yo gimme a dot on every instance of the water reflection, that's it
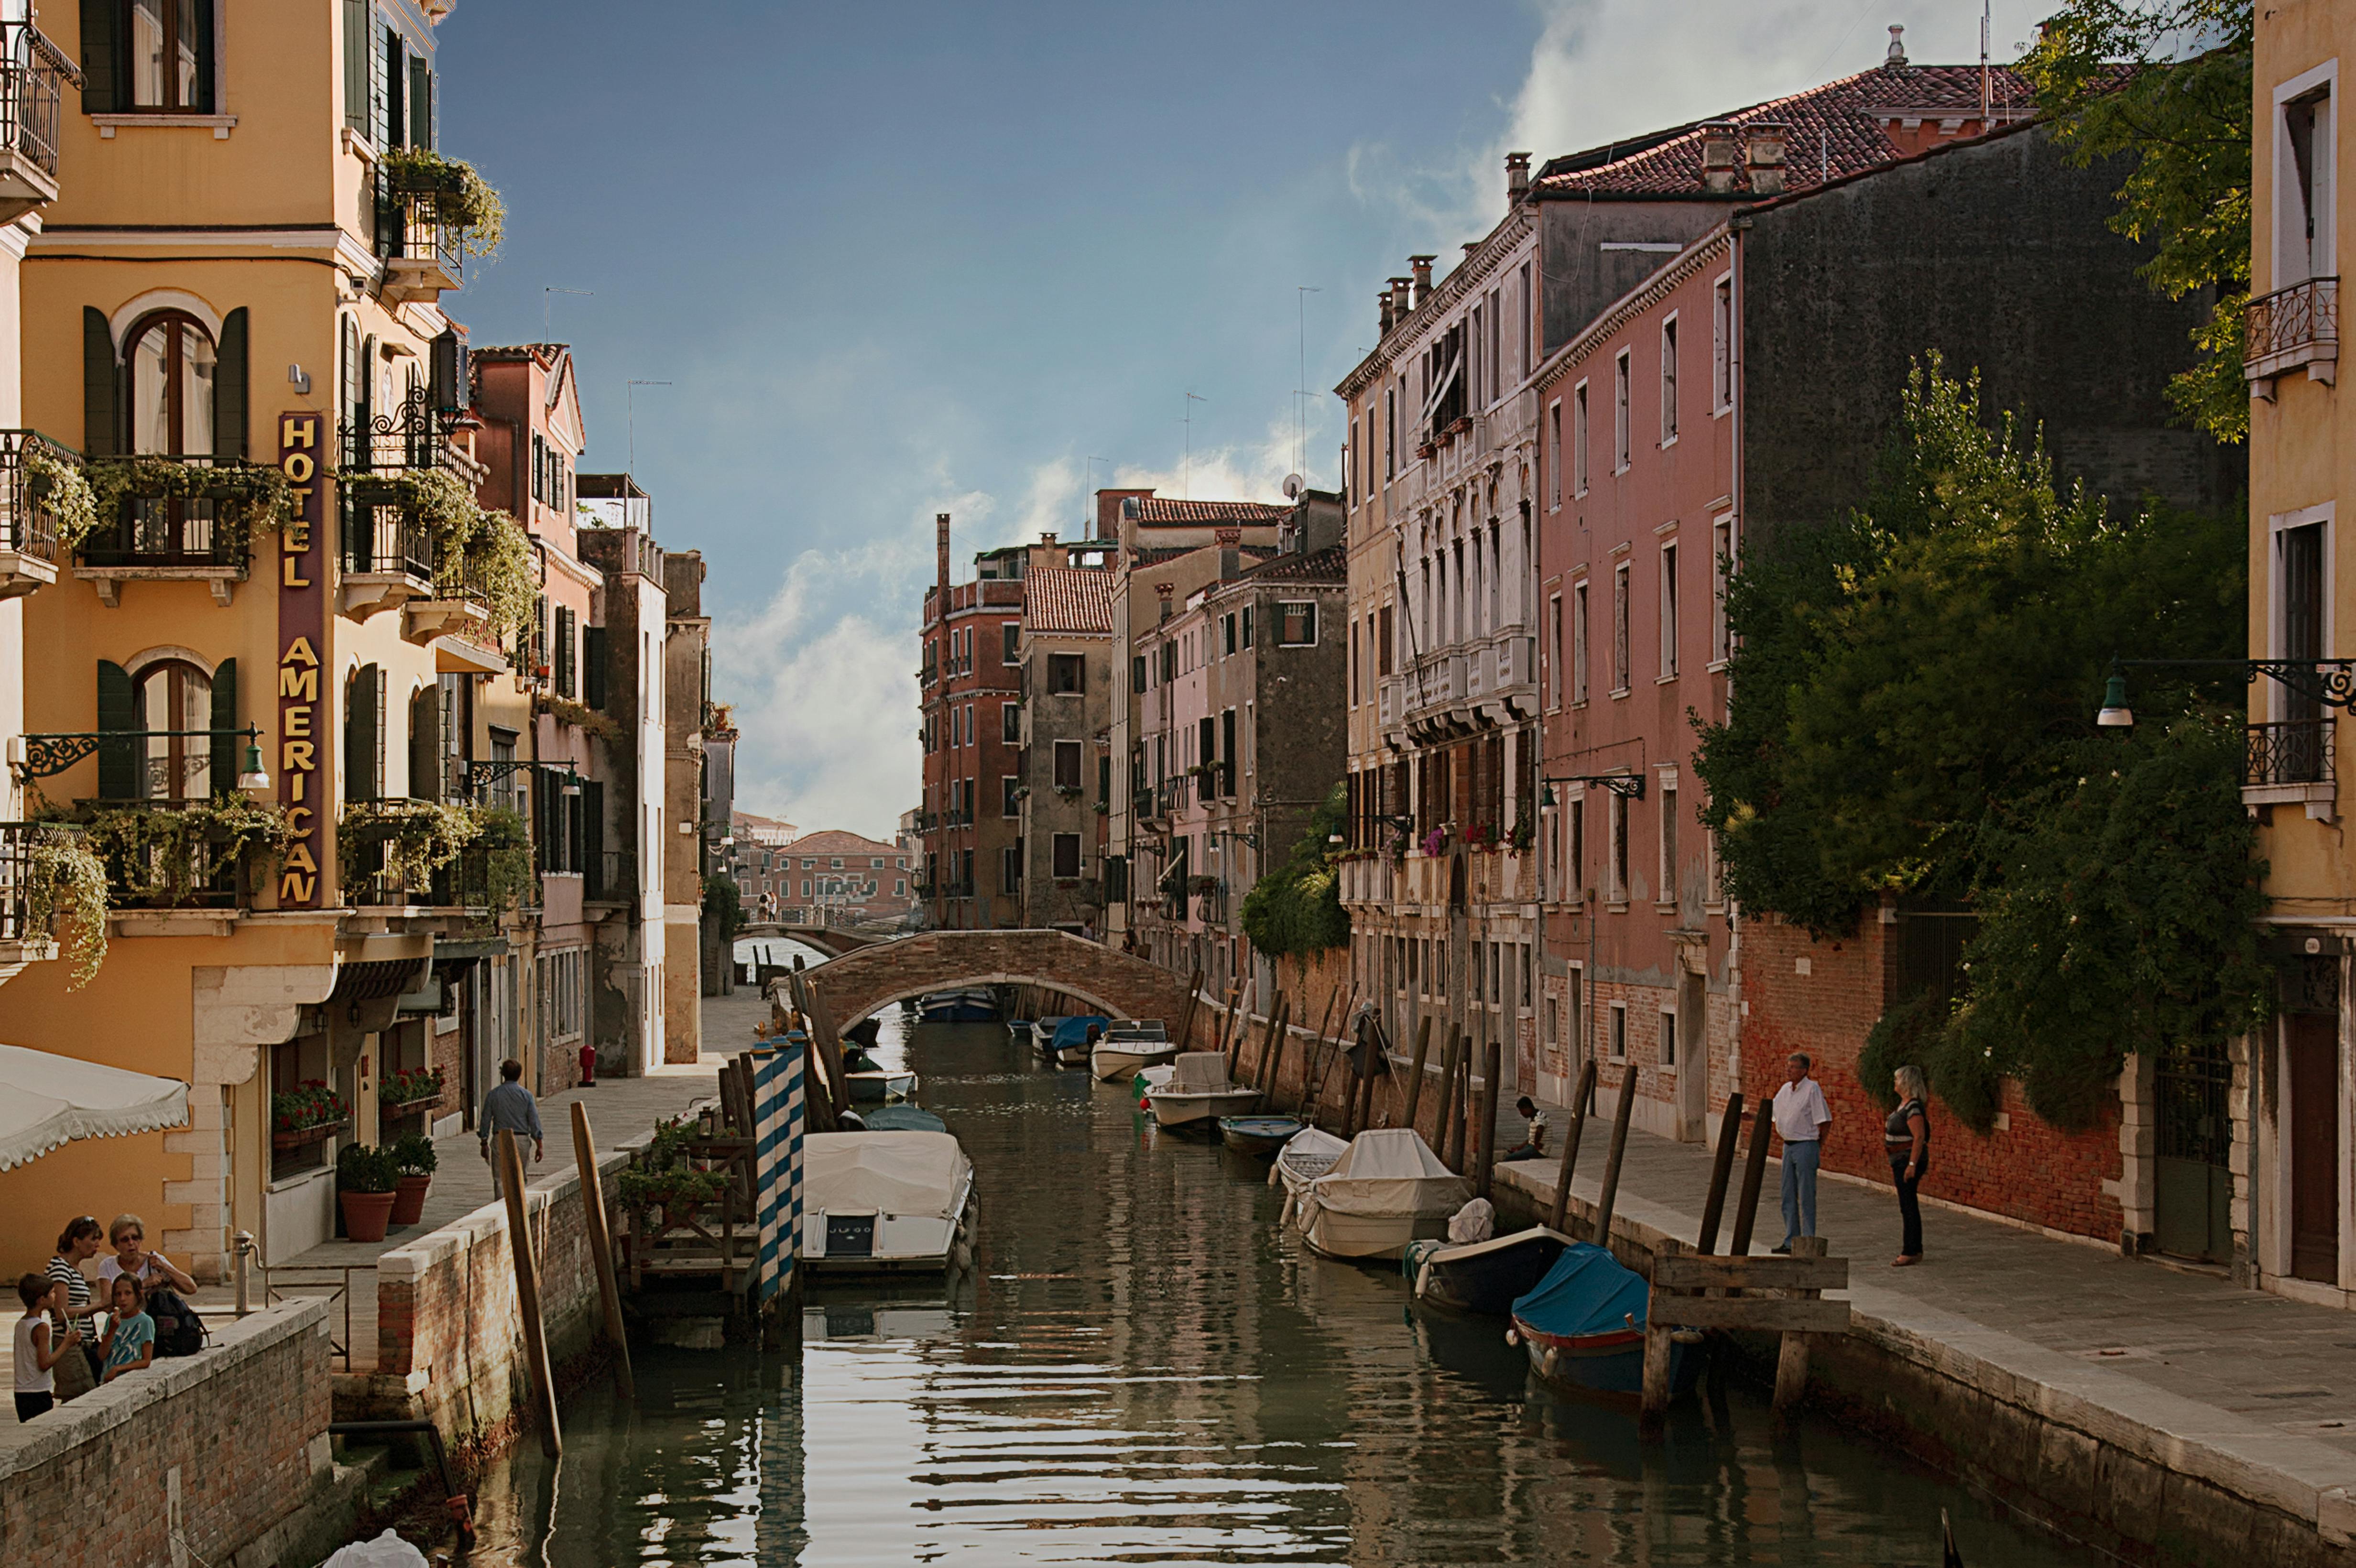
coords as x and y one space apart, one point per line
1139 1370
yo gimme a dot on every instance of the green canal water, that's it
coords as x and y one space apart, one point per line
1141 1368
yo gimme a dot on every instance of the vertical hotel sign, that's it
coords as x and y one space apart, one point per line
302 636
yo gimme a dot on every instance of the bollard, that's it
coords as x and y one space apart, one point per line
241 1248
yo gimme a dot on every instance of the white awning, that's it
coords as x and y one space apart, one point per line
48 1100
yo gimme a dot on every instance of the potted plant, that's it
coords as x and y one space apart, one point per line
408 1088
414 1159
367 1186
306 1113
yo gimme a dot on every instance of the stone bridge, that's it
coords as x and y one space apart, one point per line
832 940
858 984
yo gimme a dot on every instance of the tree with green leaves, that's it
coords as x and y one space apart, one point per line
2167 82
1912 703
1297 907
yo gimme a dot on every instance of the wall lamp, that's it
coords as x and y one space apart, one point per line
2331 682
1627 786
45 757
481 774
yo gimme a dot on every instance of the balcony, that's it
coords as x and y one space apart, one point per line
424 254
2290 763
2292 327
33 73
175 518
413 437
611 877
23 938
35 473
388 555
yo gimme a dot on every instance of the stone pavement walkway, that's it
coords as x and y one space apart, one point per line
2262 1364
620 1109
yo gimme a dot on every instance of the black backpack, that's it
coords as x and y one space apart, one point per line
179 1331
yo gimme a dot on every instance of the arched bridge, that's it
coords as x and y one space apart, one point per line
859 983
832 940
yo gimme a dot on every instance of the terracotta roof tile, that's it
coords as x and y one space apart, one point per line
837 841
1154 555
1067 599
1330 565
1835 130
1152 509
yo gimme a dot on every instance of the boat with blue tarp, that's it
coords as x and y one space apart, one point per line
1584 1327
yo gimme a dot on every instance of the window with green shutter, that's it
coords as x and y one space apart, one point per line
228 751
118 758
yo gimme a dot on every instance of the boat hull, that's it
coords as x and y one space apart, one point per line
1486 1279
1072 1056
1177 1110
1604 1363
1261 1136
875 1088
1112 1064
1364 1238
957 1008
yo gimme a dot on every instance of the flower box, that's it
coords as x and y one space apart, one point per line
303 1138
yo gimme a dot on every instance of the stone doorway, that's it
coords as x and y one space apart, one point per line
2311 1062
2193 1185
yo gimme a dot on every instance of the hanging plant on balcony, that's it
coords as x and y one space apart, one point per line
419 836
63 877
1435 841
463 199
162 854
504 840
246 496
567 711
60 486
496 564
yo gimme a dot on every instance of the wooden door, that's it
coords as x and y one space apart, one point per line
2311 1049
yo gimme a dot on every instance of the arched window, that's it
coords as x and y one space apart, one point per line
173 368
174 696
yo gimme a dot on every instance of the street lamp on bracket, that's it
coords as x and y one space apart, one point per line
2328 682
479 774
1627 786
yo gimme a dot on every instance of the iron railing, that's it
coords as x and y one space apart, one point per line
33 73
464 884
411 435
2295 752
17 842
411 228
610 875
195 870
29 522
380 536
2304 315
163 530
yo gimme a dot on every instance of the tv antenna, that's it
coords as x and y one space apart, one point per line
1088 517
1300 293
1187 473
632 403
547 296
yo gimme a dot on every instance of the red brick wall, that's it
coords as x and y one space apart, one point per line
2024 1169
244 1423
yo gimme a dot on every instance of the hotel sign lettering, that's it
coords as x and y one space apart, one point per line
302 637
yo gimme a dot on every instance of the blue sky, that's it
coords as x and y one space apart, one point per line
899 259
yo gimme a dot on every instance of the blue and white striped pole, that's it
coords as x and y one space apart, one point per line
777 1159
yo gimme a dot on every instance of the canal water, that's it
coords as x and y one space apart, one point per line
1141 1368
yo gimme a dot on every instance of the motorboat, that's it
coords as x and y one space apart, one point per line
871 1083
1261 1136
903 1119
1308 1154
1584 1327
973 1005
886 1201
1200 1090
1130 1045
1070 1046
1042 1034
1388 1189
1149 1079
1484 1274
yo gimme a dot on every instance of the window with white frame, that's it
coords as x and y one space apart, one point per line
1067 854
1669 381
1067 765
1721 562
563 993
1620 1029
1554 672
1553 456
1668 1037
1619 372
1667 891
1669 610
1579 641
1721 345
1617 807
1579 440
2305 178
1296 622
1620 660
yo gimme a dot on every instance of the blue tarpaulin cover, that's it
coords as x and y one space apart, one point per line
1075 1031
1586 1292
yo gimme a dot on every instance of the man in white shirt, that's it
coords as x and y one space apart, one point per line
1801 1119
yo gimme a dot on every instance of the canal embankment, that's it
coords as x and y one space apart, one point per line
2159 1413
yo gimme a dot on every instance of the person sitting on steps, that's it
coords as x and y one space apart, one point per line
1533 1144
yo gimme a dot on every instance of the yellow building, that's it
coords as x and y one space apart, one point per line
233 312
2294 1207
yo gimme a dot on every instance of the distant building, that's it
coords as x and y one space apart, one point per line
829 875
1063 782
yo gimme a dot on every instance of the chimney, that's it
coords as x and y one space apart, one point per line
1383 300
1402 298
1517 176
1163 590
1720 159
941 552
1765 156
1896 56
1421 266
1230 553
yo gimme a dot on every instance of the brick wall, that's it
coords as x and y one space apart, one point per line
2024 1168
228 1444
450 1340
857 984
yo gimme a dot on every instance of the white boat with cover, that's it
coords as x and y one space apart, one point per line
1306 1156
1200 1090
886 1203
1388 1189
1131 1046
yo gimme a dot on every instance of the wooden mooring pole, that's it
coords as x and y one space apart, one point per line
600 1247
1415 1069
1791 1356
527 1272
1446 1091
1492 1064
1754 1173
1582 1100
1186 1023
1729 1133
1610 1193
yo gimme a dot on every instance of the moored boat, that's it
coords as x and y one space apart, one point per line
1199 1091
1150 1078
903 1119
1484 1277
886 1201
1071 1045
880 1084
1128 1046
1259 1135
1584 1327
973 1005
1388 1189
1310 1154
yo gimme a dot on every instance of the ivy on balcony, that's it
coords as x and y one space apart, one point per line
463 199
579 715
64 879
60 486
480 552
246 496
416 839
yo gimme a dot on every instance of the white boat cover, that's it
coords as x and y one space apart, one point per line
1390 1170
1200 1072
48 1100
1306 1156
1476 1221
897 1173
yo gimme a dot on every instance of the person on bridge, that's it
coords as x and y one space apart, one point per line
510 1108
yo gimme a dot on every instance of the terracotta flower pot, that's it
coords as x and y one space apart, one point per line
409 1199
366 1214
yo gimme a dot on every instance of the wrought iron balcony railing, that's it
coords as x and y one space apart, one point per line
379 536
17 842
29 522
412 228
2298 752
167 529
2290 327
33 74
412 435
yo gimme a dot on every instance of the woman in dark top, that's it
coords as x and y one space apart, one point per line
1906 1138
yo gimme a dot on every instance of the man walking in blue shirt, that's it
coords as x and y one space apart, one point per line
510 1108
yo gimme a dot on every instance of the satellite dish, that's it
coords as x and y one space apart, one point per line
1293 485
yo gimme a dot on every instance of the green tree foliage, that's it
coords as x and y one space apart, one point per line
1912 697
1297 908
2167 84
723 905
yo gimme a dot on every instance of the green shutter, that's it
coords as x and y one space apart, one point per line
420 104
425 743
118 760
230 377
101 55
206 63
356 32
593 667
101 407
592 839
228 751
360 720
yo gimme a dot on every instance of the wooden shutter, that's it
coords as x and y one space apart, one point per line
118 760
357 29
593 667
206 63
101 386
101 57
592 839
228 751
362 717
574 836
420 104
1227 752
230 378
425 743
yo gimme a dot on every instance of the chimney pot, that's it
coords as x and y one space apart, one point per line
1764 152
1383 300
1517 175
1896 56
1421 267
1719 157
